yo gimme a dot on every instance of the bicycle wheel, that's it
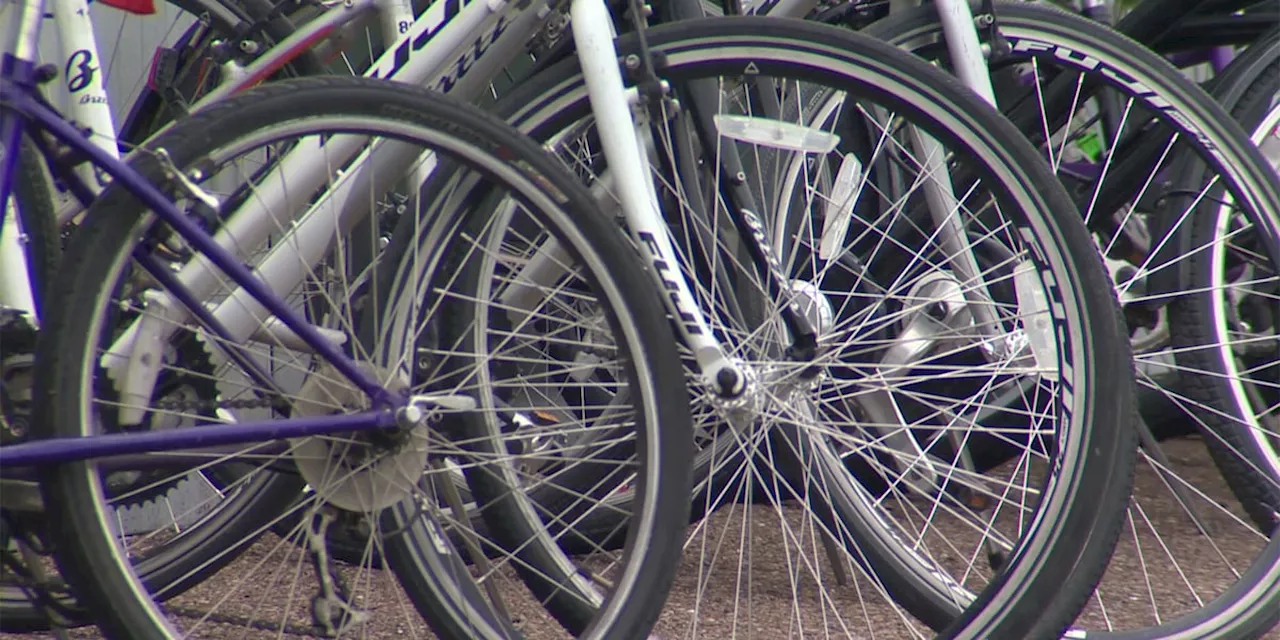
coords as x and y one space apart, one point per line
238 146
787 449
1151 191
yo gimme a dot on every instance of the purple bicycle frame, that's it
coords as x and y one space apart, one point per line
20 109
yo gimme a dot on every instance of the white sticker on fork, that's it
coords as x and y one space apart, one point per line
1033 310
839 207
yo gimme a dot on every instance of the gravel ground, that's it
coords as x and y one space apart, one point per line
775 613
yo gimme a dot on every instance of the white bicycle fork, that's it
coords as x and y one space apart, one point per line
620 138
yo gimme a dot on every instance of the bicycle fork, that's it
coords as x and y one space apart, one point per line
621 133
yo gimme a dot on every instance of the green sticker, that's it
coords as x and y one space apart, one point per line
1090 146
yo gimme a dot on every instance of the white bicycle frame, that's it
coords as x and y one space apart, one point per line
87 105
441 49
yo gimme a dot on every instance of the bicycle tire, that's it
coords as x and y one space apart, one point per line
35 215
35 210
43 244
562 593
1200 24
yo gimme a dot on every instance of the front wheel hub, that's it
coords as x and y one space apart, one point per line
815 306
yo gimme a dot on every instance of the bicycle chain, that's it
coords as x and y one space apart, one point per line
209 406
